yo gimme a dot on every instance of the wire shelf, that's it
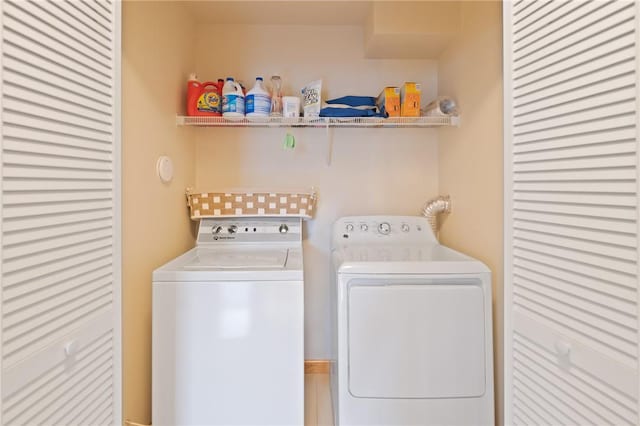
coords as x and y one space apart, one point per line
322 122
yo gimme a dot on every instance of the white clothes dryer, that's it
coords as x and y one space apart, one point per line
228 321
412 327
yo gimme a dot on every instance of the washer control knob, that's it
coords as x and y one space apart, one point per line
349 227
405 227
216 229
283 229
364 227
384 228
233 229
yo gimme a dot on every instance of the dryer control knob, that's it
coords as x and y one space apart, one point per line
405 227
384 228
216 229
233 229
364 227
283 229
349 227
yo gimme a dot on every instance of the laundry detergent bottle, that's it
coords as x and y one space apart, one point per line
204 98
194 89
232 100
258 102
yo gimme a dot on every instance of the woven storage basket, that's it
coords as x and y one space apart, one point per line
251 204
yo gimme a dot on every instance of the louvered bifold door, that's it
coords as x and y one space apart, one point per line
60 334
571 212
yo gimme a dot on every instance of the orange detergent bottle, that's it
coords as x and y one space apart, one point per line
204 98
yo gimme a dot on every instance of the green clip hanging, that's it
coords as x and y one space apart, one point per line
289 141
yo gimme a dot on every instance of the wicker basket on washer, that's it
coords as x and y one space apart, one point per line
251 204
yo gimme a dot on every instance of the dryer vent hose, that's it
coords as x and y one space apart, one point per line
433 208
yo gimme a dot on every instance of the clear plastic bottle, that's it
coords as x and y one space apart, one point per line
276 96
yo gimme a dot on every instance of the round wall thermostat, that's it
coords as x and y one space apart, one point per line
164 166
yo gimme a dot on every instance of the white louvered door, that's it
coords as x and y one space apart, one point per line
60 227
571 212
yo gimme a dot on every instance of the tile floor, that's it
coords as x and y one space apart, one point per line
317 400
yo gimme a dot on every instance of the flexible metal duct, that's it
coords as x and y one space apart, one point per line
433 208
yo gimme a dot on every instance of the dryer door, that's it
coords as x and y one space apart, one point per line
420 339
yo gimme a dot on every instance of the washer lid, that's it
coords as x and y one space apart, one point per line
216 259
234 262
404 259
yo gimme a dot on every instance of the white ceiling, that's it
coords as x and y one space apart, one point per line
300 12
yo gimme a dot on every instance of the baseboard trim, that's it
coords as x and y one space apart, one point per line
316 366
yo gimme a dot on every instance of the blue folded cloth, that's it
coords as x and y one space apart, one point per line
354 101
348 112
351 106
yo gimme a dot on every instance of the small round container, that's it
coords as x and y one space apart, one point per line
290 106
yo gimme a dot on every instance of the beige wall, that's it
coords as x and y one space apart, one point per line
374 171
411 29
157 42
470 157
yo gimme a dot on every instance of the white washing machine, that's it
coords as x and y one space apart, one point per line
412 326
228 323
